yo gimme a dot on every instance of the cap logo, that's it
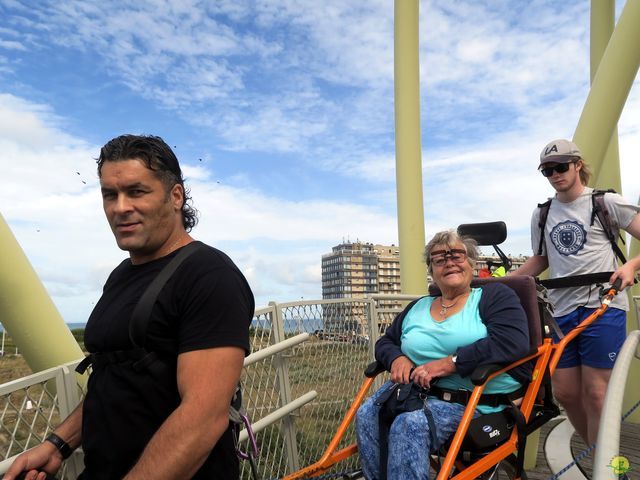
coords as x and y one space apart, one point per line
553 148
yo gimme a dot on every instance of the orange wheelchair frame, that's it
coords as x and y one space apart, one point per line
546 359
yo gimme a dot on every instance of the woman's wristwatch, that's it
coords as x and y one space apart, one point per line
62 446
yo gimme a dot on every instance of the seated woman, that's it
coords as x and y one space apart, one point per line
437 342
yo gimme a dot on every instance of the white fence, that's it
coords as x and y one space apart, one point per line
307 364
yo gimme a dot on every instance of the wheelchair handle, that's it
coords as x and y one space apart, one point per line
616 285
373 369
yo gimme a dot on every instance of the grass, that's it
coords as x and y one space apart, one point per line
333 369
13 367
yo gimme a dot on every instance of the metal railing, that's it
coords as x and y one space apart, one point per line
308 360
31 407
609 430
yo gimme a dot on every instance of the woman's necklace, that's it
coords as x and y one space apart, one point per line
444 308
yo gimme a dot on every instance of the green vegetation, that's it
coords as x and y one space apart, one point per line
334 369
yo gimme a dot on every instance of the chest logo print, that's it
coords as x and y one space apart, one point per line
568 237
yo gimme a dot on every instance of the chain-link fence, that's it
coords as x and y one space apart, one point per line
322 373
30 408
331 363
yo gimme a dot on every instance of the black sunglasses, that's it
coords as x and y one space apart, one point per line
560 168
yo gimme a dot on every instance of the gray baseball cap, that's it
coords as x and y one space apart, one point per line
559 151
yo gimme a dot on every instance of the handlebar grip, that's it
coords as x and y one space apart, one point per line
617 284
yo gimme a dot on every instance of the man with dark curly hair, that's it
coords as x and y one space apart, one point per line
156 406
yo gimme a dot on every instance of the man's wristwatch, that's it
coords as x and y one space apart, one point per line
454 358
62 446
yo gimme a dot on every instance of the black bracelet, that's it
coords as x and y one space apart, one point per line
62 446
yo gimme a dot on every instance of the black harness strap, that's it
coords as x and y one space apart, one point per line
542 221
142 313
140 320
576 280
140 358
599 209
463 396
521 426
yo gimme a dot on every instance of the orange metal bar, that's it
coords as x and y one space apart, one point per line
548 355
447 466
543 354
510 446
329 458
559 347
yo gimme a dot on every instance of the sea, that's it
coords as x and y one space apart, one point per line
296 325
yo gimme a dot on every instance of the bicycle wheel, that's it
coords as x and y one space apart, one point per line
505 470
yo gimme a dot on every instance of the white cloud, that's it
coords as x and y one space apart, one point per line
300 83
59 224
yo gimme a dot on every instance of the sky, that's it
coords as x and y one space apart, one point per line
282 115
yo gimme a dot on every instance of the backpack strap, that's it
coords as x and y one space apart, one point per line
142 312
542 220
599 209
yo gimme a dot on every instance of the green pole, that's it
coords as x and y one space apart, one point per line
602 25
27 312
610 87
413 272
615 58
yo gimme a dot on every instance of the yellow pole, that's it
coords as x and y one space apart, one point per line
618 47
27 312
610 88
602 23
413 272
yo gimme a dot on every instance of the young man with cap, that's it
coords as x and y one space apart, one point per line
157 403
573 241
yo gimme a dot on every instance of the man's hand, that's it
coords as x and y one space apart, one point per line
626 273
401 369
45 457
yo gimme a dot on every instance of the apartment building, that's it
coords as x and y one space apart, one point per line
358 269
355 269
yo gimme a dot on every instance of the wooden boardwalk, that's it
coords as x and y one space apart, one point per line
629 448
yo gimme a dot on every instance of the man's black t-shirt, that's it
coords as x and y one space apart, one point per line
207 303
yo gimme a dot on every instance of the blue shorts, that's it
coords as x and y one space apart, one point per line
599 344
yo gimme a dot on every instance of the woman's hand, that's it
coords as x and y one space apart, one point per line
425 374
401 369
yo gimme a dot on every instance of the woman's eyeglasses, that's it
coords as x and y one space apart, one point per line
439 257
560 168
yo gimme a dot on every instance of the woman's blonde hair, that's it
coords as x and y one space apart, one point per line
450 238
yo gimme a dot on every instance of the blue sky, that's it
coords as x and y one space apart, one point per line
281 113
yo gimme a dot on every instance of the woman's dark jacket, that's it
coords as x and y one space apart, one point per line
507 337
